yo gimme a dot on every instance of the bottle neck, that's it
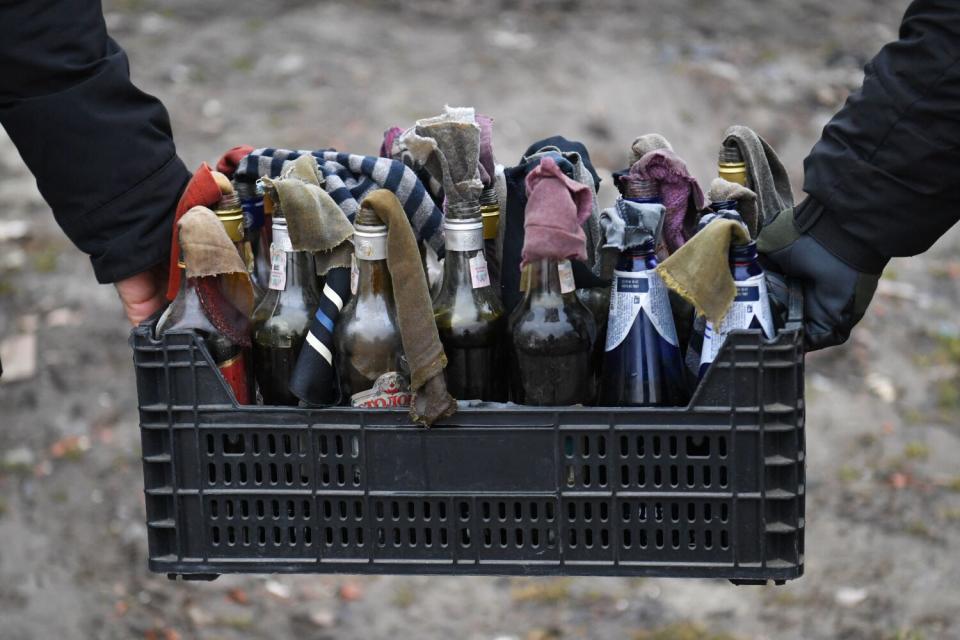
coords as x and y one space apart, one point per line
373 280
725 205
299 267
463 239
639 258
230 214
645 200
373 275
544 278
490 213
744 262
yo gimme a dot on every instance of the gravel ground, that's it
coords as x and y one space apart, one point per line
884 411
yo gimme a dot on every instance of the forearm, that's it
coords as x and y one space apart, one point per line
101 150
886 168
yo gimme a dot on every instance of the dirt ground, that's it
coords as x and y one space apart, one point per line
883 510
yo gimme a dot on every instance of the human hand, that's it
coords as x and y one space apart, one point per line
835 295
142 294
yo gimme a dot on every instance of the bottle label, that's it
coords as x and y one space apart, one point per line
463 239
479 274
370 247
354 275
389 391
278 268
234 371
750 310
565 271
632 292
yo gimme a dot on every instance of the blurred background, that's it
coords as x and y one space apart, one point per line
883 496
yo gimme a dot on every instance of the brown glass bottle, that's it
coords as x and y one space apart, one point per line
368 350
282 319
469 315
186 313
552 335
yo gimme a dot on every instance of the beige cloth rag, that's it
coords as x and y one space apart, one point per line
646 143
315 222
418 329
722 190
208 251
700 270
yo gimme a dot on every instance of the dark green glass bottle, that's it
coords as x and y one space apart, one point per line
552 334
368 349
282 319
469 315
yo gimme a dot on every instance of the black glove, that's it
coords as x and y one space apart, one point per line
835 295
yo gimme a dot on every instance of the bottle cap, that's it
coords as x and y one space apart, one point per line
370 242
463 235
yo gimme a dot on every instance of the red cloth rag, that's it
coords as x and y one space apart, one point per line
228 162
556 207
201 190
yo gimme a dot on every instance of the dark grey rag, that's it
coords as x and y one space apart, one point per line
448 147
768 177
628 224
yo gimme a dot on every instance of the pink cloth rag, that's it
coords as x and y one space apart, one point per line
681 195
556 207
389 137
487 165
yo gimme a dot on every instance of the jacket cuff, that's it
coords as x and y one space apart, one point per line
142 222
811 217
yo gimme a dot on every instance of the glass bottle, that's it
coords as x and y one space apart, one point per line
731 165
552 336
469 315
282 319
231 215
186 313
642 364
698 327
368 350
490 214
750 308
254 220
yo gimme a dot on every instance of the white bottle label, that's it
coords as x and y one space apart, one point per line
354 275
278 268
750 308
479 274
565 271
633 291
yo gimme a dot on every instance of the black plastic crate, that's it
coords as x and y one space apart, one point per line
715 489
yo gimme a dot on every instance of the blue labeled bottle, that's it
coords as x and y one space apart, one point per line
642 364
750 308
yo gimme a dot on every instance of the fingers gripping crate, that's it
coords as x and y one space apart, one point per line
715 489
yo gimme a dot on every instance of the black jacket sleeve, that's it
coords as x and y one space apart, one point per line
101 150
883 178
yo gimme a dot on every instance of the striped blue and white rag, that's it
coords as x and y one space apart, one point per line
349 177
313 378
